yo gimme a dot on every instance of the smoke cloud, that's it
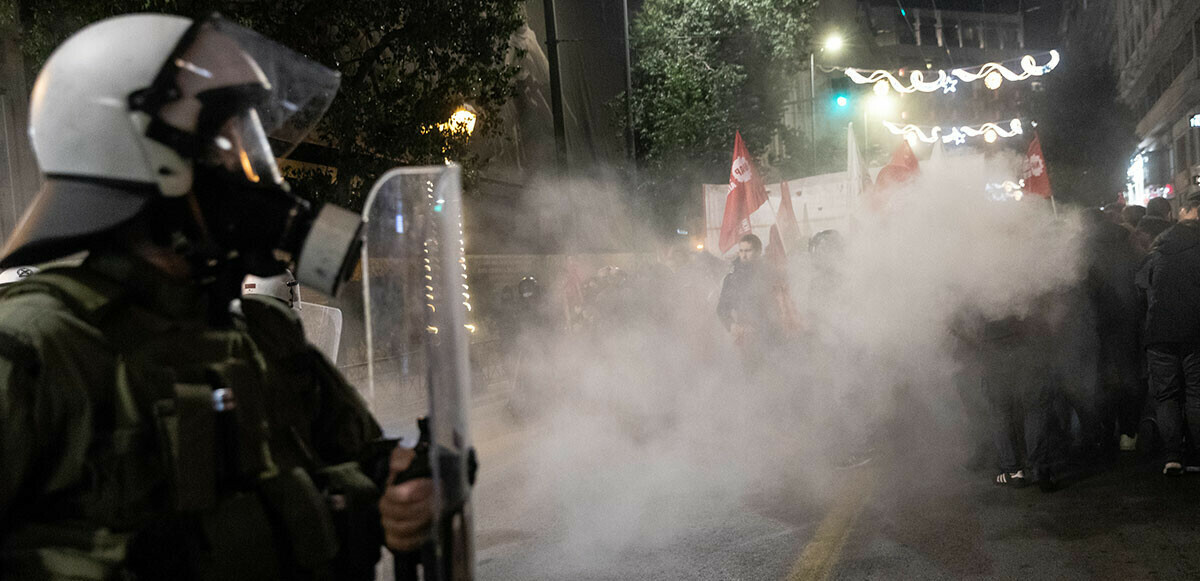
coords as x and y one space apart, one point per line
645 419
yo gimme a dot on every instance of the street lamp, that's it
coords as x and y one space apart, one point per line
461 121
880 105
833 43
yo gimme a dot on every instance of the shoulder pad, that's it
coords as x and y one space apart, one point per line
87 294
273 325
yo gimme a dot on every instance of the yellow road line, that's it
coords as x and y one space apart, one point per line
822 552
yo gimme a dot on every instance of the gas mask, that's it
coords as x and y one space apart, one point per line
228 103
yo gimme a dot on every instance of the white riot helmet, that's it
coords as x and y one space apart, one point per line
283 287
11 275
149 111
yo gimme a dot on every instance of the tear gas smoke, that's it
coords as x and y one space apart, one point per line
646 419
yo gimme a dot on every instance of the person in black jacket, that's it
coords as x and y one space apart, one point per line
1170 279
1112 259
1155 222
749 306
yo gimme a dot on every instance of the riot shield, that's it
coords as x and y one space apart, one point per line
415 308
322 327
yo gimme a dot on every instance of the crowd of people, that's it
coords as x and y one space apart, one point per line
1059 387
1109 364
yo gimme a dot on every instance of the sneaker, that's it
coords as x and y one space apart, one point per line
1128 444
1173 469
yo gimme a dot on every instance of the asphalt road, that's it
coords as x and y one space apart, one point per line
895 518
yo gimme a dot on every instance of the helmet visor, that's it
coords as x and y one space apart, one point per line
216 54
241 147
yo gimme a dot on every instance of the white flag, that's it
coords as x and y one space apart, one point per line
857 176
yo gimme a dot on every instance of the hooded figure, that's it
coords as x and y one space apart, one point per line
1170 281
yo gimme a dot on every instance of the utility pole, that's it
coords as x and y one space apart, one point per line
556 103
630 138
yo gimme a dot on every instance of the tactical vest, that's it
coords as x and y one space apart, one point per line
201 464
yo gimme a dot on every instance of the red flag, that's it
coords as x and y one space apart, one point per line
746 194
775 253
1033 171
785 216
902 169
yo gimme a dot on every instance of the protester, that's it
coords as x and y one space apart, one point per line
1170 279
1155 222
747 306
1131 215
1111 261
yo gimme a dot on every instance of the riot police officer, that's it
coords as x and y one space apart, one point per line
144 431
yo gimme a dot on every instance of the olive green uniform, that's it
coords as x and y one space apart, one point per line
140 440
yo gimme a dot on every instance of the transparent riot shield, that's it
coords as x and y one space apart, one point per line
322 327
415 304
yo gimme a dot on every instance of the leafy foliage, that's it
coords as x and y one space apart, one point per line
406 66
704 69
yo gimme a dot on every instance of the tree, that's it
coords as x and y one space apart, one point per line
406 66
703 70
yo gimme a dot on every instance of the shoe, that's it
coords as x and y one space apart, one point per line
1173 469
1128 444
1011 479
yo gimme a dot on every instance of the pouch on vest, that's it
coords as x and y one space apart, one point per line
354 502
243 420
188 421
303 515
239 542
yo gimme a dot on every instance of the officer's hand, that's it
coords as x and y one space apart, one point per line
406 510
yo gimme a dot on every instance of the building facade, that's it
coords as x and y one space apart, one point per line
1155 58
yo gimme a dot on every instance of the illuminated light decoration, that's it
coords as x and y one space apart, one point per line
911 139
1029 68
881 88
956 135
993 75
1195 120
699 247
993 80
914 131
916 79
1006 190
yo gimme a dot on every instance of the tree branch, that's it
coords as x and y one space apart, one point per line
366 62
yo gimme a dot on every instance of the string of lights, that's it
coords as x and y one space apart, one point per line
993 75
956 135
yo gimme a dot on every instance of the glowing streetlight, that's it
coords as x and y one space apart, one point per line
881 88
990 136
881 105
833 43
461 121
